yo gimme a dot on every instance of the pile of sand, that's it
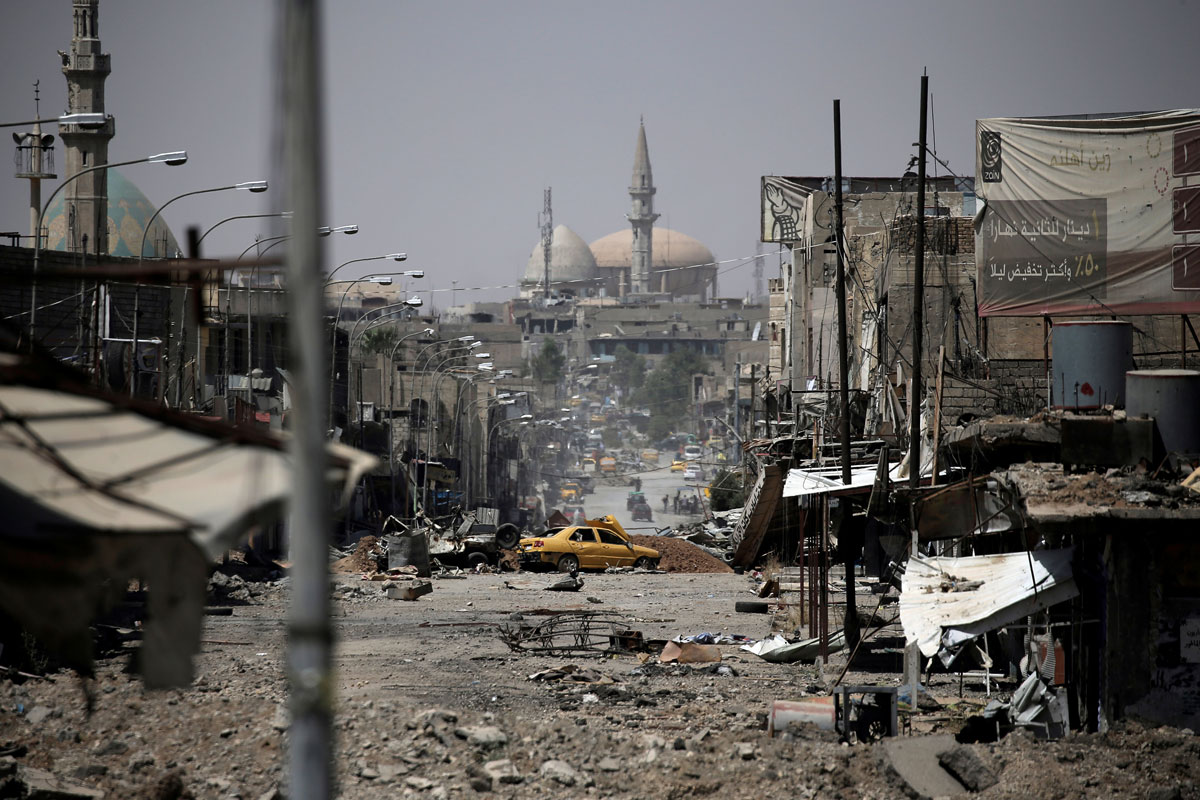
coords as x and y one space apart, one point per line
361 560
680 555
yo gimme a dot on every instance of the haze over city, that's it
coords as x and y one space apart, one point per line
445 121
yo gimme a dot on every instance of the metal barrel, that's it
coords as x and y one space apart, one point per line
1090 361
1172 398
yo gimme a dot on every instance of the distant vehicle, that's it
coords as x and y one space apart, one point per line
678 466
650 456
693 473
642 512
608 465
599 544
575 514
570 492
633 498
588 464
692 452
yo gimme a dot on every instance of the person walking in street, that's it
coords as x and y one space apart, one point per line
665 501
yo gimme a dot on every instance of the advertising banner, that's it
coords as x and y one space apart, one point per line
782 205
1089 216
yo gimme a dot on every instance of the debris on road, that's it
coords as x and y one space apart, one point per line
410 591
689 653
593 633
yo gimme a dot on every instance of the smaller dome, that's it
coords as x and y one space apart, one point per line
128 210
570 259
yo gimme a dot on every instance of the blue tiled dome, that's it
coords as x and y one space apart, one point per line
128 210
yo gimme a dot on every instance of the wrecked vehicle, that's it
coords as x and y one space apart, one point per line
475 540
599 544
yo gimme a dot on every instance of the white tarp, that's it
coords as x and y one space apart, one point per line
945 602
1089 216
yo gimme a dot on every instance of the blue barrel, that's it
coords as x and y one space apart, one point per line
1091 358
1172 398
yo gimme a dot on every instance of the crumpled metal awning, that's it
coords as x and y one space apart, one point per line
99 489
946 602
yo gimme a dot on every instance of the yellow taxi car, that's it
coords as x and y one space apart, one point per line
678 466
598 544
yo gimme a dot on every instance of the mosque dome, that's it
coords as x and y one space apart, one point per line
671 250
570 259
128 210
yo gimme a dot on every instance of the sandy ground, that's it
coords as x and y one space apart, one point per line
431 703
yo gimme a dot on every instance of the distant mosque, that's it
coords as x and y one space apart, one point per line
641 260
101 212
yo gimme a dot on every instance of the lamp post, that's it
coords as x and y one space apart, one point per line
338 319
83 120
282 214
435 382
487 445
415 430
392 403
412 302
255 187
174 158
324 230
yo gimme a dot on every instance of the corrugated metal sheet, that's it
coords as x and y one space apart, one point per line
945 602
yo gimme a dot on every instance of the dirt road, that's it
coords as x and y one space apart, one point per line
431 703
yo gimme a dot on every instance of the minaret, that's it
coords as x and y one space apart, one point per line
641 192
87 196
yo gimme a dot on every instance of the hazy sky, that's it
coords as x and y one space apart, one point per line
446 120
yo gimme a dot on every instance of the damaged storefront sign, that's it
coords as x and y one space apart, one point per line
947 602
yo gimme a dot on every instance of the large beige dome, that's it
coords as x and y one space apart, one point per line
681 265
570 259
671 249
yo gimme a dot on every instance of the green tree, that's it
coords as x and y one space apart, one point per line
378 340
727 490
667 391
547 365
628 370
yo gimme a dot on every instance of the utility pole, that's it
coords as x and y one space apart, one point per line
737 402
912 656
850 622
311 685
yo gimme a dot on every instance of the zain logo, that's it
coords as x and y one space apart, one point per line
990 161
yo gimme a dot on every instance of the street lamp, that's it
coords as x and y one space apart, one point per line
171 159
417 273
338 319
255 187
83 120
392 404
282 214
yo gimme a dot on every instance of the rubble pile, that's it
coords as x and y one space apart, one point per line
680 555
365 557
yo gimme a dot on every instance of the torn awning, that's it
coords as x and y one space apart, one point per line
946 602
99 489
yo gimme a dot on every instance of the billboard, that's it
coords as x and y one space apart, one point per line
782 206
1089 216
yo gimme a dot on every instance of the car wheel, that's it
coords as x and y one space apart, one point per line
476 559
646 563
507 536
568 563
